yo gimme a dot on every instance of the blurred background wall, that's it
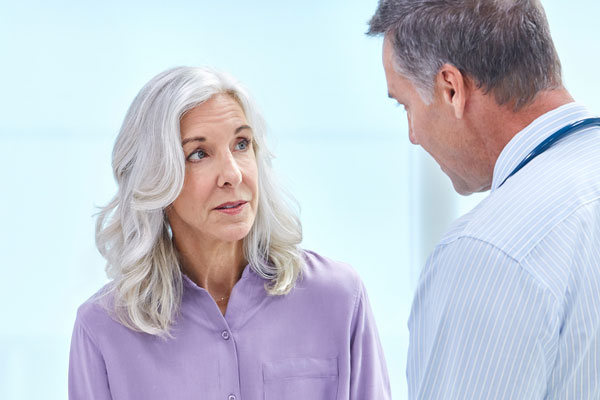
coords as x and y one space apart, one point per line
68 72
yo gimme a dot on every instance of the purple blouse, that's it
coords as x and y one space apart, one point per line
319 342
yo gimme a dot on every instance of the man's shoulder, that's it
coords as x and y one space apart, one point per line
518 217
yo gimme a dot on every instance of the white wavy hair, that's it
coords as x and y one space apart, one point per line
133 232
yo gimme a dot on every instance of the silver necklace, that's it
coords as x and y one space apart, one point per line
221 299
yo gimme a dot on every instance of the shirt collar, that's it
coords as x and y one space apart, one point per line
526 140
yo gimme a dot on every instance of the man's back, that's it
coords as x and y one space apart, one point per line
508 305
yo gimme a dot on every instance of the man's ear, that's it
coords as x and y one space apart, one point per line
454 88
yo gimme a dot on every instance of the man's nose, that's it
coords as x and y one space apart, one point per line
411 136
411 132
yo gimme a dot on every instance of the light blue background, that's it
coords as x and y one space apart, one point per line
69 70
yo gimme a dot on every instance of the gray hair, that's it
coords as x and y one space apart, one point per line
504 46
133 232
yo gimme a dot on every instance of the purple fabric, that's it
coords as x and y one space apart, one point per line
319 342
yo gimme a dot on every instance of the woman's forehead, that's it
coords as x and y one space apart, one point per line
219 109
220 114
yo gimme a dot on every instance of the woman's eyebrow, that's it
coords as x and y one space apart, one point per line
241 128
203 139
192 139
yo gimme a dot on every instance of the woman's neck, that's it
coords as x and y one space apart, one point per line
213 265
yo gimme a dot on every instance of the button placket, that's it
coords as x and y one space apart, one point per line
226 335
229 368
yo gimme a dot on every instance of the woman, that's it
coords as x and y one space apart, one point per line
211 297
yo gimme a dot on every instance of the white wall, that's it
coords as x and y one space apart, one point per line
68 73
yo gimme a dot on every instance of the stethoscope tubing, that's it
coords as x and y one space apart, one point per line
552 139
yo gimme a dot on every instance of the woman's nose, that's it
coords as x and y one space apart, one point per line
229 172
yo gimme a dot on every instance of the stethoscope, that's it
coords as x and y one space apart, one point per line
552 139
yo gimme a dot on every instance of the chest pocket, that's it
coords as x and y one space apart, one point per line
301 378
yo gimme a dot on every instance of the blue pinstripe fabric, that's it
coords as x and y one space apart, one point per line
508 304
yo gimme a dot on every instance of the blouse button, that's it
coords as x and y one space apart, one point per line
231 397
225 335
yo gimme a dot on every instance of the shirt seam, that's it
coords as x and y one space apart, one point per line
464 234
518 263
357 298
87 331
561 221
554 302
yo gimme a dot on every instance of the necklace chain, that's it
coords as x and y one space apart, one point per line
221 299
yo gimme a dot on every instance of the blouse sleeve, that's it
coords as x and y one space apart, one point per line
88 379
369 377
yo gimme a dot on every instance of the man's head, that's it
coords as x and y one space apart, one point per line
504 46
450 60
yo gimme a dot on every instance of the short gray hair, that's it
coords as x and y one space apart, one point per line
504 46
132 231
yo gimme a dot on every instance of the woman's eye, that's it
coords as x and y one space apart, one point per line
242 144
197 155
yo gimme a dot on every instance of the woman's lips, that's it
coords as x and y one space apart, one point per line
232 208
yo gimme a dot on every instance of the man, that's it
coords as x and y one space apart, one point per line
508 304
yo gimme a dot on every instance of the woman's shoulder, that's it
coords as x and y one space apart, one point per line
323 273
94 315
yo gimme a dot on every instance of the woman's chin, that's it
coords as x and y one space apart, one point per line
233 234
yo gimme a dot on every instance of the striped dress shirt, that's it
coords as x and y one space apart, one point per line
508 303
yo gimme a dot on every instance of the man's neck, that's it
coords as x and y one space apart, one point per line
515 121
507 122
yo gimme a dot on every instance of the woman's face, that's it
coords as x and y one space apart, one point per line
220 192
